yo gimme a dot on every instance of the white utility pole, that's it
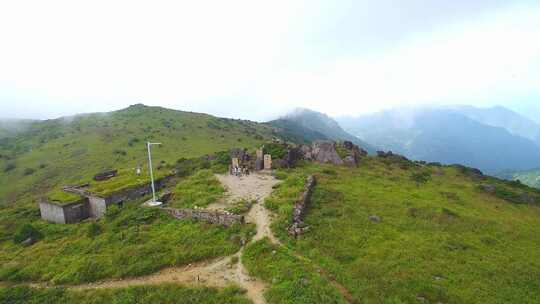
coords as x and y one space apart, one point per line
148 144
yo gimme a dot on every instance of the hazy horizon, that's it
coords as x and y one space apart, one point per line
255 60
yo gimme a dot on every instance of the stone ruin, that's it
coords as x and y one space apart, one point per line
209 216
300 208
322 151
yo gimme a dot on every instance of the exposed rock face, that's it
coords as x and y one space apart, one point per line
354 154
301 206
291 158
325 152
213 217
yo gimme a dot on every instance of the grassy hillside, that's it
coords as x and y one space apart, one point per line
70 150
140 295
130 241
436 235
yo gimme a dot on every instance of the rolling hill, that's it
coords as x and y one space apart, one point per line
67 150
388 231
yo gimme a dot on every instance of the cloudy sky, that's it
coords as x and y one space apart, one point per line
257 59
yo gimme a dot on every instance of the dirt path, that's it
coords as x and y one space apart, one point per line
224 271
229 270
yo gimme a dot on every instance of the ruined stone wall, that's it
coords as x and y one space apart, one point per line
213 217
300 208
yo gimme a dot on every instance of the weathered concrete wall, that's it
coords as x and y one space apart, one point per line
71 213
52 212
301 206
77 212
97 206
213 217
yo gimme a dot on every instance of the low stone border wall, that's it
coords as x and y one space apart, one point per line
300 208
213 217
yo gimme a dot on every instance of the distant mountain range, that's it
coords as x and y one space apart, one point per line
310 125
493 140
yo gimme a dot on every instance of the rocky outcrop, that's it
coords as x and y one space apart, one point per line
291 158
300 208
213 217
330 152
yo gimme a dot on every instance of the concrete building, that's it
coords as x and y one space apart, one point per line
91 205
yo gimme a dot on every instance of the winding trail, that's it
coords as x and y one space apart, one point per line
228 270
223 271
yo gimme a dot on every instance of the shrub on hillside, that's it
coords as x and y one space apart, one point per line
26 232
93 230
276 150
421 178
9 167
28 171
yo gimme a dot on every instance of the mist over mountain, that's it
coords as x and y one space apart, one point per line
10 127
493 140
505 118
318 124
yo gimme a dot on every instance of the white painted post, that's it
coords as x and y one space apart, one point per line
148 144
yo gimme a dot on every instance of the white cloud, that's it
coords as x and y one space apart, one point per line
250 59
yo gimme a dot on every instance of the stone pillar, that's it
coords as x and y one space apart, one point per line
267 162
259 163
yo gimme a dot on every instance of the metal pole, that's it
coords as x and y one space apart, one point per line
151 172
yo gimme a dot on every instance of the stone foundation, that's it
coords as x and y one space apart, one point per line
213 217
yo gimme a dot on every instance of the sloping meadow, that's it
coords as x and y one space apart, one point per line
393 231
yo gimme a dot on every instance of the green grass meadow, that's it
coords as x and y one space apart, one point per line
439 240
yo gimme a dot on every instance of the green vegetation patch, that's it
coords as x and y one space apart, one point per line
241 206
155 294
61 197
292 279
126 179
129 241
390 239
200 189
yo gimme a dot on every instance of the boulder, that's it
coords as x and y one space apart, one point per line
374 218
292 157
325 152
28 242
